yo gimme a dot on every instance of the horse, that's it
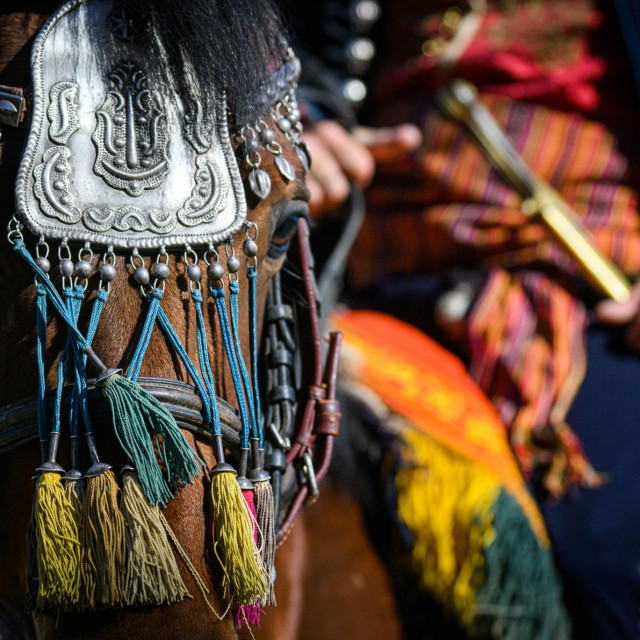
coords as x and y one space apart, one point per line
275 218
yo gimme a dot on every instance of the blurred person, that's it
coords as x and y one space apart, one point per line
447 246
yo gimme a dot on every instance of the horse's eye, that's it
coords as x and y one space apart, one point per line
286 228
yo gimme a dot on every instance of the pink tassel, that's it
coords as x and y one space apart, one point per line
248 613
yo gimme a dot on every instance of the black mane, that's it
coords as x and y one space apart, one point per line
228 45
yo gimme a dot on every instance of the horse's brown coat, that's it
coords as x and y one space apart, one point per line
189 513
329 611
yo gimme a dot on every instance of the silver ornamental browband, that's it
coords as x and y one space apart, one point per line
111 162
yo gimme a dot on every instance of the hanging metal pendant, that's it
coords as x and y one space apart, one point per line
260 183
285 168
304 153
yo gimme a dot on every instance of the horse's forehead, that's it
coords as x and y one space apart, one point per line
116 159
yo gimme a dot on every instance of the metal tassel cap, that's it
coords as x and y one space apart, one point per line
223 467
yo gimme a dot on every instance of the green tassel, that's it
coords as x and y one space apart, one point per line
521 596
165 459
242 574
58 551
103 538
152 575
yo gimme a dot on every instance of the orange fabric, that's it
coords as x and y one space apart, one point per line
430 388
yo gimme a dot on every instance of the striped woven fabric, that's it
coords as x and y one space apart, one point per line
526 330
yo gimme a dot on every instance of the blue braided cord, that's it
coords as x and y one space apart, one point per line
62 362
41 325
234 290
53 295
153 298
252 273
173 338
219 297
205 363
74 300
101 298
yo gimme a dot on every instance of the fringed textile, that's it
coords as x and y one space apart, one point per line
526 329
477 541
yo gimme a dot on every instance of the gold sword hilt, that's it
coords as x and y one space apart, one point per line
459 101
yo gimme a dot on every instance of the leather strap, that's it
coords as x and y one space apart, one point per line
319 422
18 420
13 106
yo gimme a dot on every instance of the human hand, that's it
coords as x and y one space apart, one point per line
340 158
625 313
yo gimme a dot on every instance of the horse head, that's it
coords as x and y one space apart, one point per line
160 187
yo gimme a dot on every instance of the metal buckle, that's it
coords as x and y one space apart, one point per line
11 108
309 472
282 442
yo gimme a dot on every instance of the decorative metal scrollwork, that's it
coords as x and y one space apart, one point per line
130 135
63 111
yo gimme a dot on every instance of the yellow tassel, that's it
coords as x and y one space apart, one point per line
152 576
446 501
74 492
103 538
243 579
58 552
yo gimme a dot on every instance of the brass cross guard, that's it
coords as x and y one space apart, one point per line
459 102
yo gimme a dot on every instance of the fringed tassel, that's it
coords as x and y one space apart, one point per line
249 613
103 529
265 515
74 492
136 415
58 546
152 576
473 547
235 548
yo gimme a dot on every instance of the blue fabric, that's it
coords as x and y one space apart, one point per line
596 533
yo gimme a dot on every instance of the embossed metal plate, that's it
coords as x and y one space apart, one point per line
112 160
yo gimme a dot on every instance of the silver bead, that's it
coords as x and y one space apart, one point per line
44 264
267 136
66 268
250 248
161 270
141 276
294 116
215 271
194 273
251 145
107 272
284 125
233 264
83 269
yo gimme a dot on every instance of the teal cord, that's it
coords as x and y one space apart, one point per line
234 290
252 273
219 297
205 363
153 298
41 342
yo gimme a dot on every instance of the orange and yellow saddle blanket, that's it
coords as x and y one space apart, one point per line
479 544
